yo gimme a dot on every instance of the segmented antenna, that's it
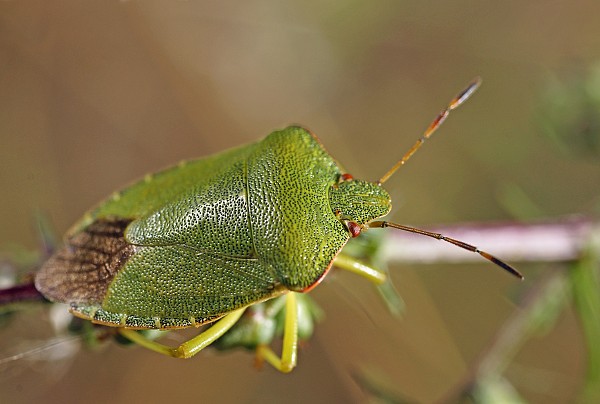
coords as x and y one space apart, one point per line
461 244
435 124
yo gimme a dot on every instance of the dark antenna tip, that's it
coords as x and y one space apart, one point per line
458 243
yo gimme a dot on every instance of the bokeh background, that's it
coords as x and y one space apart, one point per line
95 94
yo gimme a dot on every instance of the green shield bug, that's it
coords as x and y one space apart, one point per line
200 242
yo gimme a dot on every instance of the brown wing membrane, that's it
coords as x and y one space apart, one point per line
81 271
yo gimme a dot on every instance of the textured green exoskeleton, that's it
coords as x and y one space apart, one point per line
205 238
210 236
202 241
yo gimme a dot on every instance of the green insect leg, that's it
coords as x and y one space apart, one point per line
192 346
385 287
289 351
351 264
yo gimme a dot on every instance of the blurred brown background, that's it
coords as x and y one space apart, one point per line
95 94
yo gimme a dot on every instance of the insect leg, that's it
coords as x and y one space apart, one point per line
194 345
385 287
289 351
351 264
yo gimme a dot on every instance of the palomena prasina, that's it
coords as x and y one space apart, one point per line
202 241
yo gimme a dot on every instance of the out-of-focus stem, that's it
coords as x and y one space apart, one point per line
556 241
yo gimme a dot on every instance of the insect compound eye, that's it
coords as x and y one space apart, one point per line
353 228
346 177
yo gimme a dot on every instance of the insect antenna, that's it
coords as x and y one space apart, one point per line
435 124
461 244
